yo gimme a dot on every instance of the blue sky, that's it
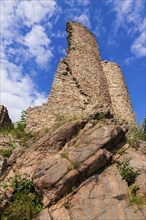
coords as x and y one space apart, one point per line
33 39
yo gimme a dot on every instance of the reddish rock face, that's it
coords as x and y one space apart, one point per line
5 120
102 197
73 169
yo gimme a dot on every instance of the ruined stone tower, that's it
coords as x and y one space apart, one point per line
82 80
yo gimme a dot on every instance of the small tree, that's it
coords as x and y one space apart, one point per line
21 124
23 116
143 126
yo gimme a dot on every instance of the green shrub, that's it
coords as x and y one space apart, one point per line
134 197
64 154
75 165
63 119
128 173
77 144
137 200
135 134
17 183
25 203
6 152
18 130
101 116
59 121
133 189
117 120
121 151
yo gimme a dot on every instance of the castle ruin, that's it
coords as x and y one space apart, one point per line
82 80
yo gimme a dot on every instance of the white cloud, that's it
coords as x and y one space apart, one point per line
78 10
130 16
18 91
24 39
129 60
32 12
62 50
84 19
38 44
98 21
77 2
16 13
139 46
60 34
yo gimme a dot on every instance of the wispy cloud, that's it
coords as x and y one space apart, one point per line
130 16
38 44
139 46
77 2
98 21
129 60
61 50
84 18
24 39
18 91
33 12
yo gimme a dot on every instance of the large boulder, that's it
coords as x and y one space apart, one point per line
101 197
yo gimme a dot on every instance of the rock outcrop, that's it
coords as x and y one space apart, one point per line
5 120
101 197
82 80
73 170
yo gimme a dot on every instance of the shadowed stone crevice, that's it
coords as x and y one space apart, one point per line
120 197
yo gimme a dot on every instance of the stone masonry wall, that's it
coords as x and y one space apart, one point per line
120 99
82 80
83 58
65 99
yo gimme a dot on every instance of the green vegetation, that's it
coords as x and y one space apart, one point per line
75 165
137 200
64 154
136 134
101 119
59 121
6 152
117 120
101 116
25 203
133 189
77 144
45 130
134 197
63 119
18 130
121 151
143 127
127 172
